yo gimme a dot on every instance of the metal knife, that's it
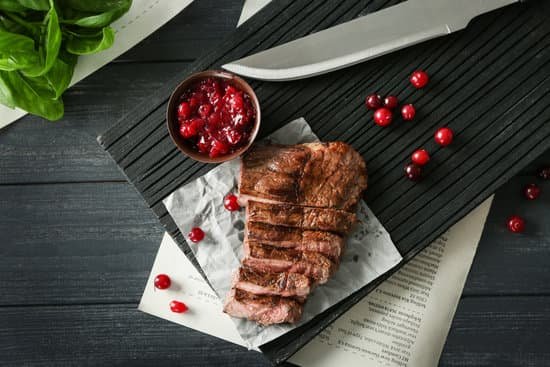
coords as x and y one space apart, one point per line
363 38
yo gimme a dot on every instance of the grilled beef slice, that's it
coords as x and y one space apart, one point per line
271 259
276 284
265 310
307 218
326 243
327 175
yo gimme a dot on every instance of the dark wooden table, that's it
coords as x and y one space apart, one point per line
77 241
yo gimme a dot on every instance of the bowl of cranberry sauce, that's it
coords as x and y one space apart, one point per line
213 116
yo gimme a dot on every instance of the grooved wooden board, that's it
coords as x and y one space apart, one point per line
490 83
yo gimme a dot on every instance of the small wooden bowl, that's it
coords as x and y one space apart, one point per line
172 118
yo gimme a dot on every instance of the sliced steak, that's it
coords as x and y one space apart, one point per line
271 259
327 175
265 310
307 218
277 284
326 243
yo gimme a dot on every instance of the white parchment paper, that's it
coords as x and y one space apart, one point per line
369 251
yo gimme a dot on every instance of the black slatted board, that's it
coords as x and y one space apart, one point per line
489 83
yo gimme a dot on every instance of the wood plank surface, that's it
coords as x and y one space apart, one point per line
513 334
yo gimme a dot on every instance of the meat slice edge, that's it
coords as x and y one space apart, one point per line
283 284
273 260
307 218
326 243
266 310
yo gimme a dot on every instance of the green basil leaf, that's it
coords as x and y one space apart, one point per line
35 4
16 51
92 6
12 5
60 75
17 91
98 20
86 46
50 43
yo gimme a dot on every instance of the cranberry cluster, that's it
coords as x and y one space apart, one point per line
383 116
383 109
215 117
531 191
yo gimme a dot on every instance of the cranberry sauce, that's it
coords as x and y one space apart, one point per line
215 117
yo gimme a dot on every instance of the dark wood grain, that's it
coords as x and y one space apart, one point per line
513 334
113 335
185 37
499 331
74 243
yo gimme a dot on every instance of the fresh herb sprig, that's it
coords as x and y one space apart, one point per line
40 41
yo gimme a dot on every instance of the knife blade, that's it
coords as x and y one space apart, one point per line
363 38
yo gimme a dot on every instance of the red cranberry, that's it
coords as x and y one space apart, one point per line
218 148
204 110
407 112
516 224
203 145
544 173
184 110
230 202
391 102
234 137
373 101
162 281
420 157
413 172
178 307
188 130
383 116
196 234
419 79
531 191
194 102
444 136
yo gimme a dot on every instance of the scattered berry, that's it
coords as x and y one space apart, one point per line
196 234
230 202
419 79
544 173
373 101
531 191
420 157
413 172
162 281
383 116
407 112
444 136
516 224
178 307
391 102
